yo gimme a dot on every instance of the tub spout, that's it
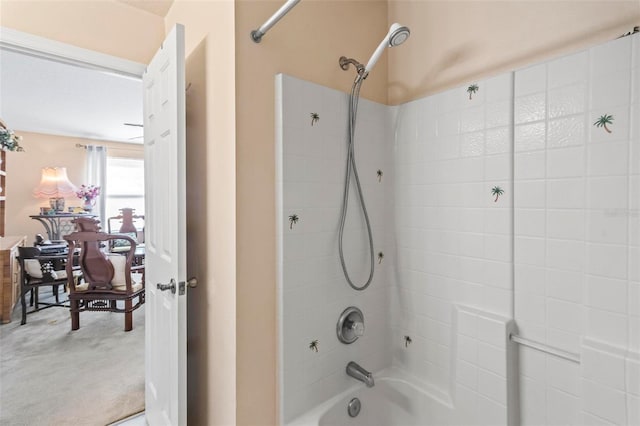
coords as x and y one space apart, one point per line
359 373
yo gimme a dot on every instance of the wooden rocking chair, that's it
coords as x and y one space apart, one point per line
107 279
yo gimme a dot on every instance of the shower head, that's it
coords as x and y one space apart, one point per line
396 36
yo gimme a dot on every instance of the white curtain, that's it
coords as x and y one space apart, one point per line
97 175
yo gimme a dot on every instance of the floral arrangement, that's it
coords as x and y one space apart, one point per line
88 192
9 141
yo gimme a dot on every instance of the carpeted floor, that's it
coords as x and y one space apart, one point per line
50 375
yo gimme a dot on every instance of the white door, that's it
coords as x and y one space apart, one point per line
165 234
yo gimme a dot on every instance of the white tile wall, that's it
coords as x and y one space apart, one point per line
313 291
455 244
480 385
567 228
578 227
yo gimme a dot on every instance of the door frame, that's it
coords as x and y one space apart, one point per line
33 45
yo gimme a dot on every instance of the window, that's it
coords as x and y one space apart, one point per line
125 185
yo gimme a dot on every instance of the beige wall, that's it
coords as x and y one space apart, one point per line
102 25
454 42
23 175
211 219
307 44
24 170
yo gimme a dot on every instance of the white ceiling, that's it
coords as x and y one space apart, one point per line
44 96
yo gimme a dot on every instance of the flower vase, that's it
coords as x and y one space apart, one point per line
88 205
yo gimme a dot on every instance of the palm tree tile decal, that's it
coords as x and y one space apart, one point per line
497 191
380 257
315 117
379 173
472 89
603 121
293 219
314 345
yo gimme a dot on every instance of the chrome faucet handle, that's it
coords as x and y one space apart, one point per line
350 325
357 328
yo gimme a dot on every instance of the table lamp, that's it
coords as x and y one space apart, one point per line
55 185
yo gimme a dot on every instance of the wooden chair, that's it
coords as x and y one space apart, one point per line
38 271
127 222
109 281
126 219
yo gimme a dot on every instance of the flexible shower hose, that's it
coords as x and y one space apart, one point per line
353 171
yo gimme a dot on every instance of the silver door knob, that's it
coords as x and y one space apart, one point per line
171 286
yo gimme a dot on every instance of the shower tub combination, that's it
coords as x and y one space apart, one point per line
392 401
313 292
399 398
438 175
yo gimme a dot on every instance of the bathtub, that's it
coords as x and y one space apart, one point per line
393 401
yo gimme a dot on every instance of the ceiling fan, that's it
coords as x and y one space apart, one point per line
134 125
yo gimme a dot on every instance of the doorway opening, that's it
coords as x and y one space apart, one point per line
72 104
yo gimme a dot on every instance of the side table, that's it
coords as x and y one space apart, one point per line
52 222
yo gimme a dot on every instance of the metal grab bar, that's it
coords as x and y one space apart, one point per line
569 356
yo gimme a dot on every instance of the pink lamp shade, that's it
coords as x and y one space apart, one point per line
55 185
